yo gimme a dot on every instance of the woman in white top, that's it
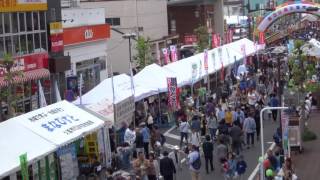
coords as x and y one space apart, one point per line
252 97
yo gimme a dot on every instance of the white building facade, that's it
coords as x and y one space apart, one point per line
147 18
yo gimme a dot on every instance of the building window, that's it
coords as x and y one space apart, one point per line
113 21
23 33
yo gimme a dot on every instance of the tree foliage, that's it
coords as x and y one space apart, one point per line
143 56
7 94
203 37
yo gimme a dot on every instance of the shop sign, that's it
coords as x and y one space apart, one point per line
124 111
105 109
83 34
23 5
60 123
56 36
28 63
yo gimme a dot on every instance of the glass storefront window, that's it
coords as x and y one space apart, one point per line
29 21
36 22
23 42
22 22
43 21
37 43
1 47
14 19
16 45
30 43
6 21
8 45
44 41
1 23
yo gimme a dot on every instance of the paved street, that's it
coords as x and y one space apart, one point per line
251 155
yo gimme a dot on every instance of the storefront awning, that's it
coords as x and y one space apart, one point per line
27 76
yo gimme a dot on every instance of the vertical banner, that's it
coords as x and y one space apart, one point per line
230 35
194 73
214 41
218 40
173 51
24 166
243 51
172 93
205 59
261 38
57 92
42 98
200 68
222 66
166 55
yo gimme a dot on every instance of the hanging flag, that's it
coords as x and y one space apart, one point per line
262 38
218 40
172 93
230 35
214 41
166 55
200 68
57 92
213 61
194 67
42 98
205 58
243 50
173 51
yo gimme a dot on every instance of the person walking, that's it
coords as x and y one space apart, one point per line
212 124
195 138
274 103
167 168
194 161
196 123
207 148
146 138
152 170
241 167
230 167
184 130
140 166
222 152
249 127
235 133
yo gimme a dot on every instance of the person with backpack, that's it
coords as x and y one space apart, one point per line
249 127
207 148
194 161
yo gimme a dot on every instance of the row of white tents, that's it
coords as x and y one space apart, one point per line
153 78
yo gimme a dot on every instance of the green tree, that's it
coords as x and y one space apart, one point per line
203 36
7 93
143 56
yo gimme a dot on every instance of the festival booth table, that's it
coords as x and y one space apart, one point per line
16 140
76 133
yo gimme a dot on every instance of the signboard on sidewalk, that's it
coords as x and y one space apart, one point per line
124 111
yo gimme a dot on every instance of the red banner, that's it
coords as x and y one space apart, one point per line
28 63
173 51
173 93
214 40
166 56
261 38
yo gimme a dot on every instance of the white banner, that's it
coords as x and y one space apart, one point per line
60 123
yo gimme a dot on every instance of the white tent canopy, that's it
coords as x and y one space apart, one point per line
60 123
16 140
312 48
153 78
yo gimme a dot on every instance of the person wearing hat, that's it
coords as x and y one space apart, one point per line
175 155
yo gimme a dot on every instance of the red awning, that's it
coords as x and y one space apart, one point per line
28 76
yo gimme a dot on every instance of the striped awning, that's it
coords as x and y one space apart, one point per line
27 76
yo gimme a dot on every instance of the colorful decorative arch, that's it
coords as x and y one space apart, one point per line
285 9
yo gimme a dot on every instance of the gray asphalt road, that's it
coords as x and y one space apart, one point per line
250 155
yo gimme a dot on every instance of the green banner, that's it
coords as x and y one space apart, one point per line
24 166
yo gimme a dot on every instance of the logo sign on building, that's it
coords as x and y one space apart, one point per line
77 35
173 100
23 5
56 36
60 123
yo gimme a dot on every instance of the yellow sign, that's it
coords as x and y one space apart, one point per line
23 5
56 27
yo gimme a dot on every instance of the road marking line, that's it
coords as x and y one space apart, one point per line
170 146
256 170
169 130
173 136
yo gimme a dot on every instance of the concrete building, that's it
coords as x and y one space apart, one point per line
186 15
146 18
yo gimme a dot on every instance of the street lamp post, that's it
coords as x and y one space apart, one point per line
130 36
262 137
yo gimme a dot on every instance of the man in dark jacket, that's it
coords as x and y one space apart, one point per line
196 124
167 168
235 134
207 147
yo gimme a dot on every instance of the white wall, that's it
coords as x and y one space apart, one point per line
149 14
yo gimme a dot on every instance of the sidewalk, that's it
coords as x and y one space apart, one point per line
307 164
